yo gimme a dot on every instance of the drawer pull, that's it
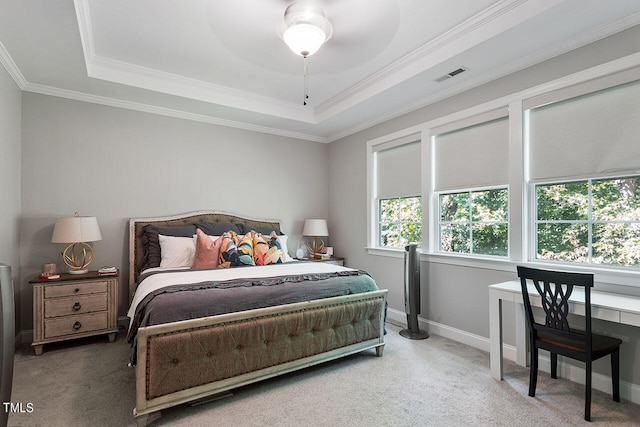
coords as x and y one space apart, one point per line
76 290
76 306
77 325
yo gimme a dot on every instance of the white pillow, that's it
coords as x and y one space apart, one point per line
282 239
176 252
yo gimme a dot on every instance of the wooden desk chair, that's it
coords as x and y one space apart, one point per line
555 334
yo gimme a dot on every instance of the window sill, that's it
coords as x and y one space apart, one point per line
388 252
602 276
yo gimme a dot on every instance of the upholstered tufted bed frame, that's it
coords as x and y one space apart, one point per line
188 360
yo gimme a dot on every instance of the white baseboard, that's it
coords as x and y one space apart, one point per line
628 391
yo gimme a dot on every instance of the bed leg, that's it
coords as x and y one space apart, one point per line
379 350
141 420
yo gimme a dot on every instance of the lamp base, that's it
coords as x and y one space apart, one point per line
77 256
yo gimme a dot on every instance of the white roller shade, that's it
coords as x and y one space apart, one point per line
398 170
587 136
474 156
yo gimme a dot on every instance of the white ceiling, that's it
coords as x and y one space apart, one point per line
223 61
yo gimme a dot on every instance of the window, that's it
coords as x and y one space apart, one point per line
474 222
577 137
470 163
396 210
593 221
400 221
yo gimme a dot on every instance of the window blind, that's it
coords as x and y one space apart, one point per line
586 136
473 156
398 169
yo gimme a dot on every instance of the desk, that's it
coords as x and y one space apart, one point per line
606 306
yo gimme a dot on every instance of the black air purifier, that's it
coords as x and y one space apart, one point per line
7 340
412 293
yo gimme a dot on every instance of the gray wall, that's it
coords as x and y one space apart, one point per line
115 164
9 174
455 296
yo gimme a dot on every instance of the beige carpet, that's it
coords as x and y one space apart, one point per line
433 382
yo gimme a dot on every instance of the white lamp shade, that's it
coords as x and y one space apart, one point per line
307 28
304 39
75 229
315 227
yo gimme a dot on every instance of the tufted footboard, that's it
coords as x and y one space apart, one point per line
189 360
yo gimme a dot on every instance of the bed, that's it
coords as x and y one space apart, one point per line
291 314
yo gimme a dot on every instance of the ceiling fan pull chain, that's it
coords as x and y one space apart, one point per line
306 80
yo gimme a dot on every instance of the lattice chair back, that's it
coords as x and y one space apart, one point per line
554 289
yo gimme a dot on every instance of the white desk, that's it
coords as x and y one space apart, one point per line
606 306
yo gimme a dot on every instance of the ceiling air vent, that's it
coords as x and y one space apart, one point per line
451 74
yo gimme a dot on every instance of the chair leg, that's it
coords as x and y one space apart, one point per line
587 393
533 371
554 365
615 374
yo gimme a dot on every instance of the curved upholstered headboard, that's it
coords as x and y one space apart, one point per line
136 250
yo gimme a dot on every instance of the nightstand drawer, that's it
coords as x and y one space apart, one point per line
81 288
73 325
57 307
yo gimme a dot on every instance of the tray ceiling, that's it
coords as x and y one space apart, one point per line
224 61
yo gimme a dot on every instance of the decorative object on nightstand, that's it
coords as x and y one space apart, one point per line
74 306
108 271
49 271
315 228
77 231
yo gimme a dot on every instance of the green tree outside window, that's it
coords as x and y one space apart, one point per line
594 221
400 221
475 222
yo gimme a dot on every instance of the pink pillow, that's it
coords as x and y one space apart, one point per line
207 251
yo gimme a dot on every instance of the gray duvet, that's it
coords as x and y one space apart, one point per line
190 301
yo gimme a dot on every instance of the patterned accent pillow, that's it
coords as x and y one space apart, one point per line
228 250
207 250
245 250
274 255
260 248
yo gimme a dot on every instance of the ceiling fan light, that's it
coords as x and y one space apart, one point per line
304 39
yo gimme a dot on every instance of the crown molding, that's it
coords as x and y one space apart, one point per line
11 67
521 64
159 81
482 26
145 108
24 85
129 74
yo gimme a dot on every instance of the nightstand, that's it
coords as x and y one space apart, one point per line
332 260
74 306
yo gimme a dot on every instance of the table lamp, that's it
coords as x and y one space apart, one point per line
77 231
315 228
